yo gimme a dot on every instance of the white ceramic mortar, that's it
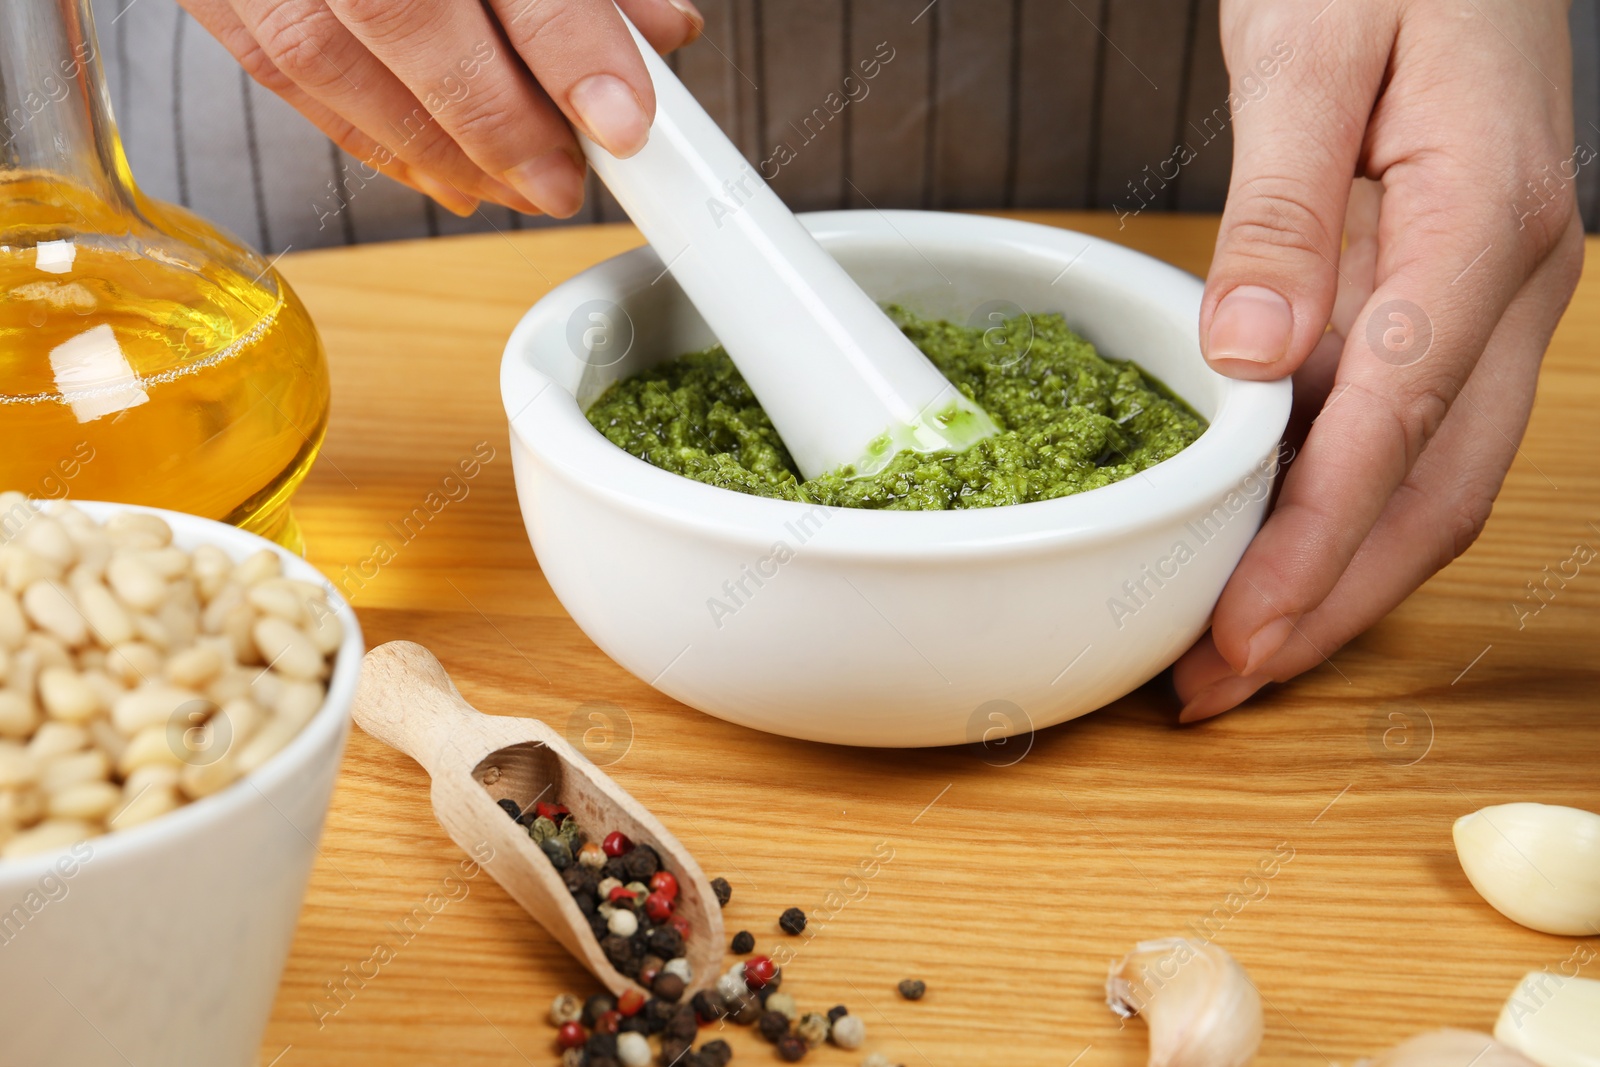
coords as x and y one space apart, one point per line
875 627
162 945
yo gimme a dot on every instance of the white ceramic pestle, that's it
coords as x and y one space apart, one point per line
842 384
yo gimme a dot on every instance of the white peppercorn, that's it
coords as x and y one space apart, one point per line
849 1031
784 1004
633 1050
623 923
680 967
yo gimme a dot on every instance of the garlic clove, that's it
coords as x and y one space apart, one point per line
1200 1006
1554 1020
1536 864
1450 1048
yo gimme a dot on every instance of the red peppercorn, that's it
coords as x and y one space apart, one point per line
556 813
616 843
758 971
622 893
680 923
571 1035
630 1002
608 1022
658 906
664 883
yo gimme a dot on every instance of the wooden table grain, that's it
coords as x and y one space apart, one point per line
1007 888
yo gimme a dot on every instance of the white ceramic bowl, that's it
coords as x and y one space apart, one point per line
164 943
889 628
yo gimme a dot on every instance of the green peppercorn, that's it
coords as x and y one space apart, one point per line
541 830
813 1028
723 890
912 988
743 943
792 921
557 852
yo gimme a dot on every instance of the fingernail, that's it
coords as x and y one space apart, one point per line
552 181
1265 642
1253 324
611 114
511 198
697 21
1219 697
449 197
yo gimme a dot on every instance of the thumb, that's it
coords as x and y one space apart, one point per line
1299 103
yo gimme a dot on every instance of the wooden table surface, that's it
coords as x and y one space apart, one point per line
1009 888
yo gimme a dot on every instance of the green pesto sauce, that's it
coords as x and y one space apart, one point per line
1070 421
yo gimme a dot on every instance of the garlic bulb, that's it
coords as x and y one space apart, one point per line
1554 1020
1201 1008
1450 1048
1536 864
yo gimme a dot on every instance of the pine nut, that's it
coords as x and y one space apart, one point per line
108 618
51 609
136 676
152 704
53 834
143 806
88 801
67 696
288 650
134 581
77 767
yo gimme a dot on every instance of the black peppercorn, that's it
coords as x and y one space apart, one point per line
635 1024
668 987
600 1044
640 863
773 1025
792 921
837 1012
716 1053
595 1007
511 807
912 988
708 1007
617 949
574 878
674 1052
658 1013
791 1048
666 942
588 905
613 868
683 1024
723 890
743 942
598 926
601 1061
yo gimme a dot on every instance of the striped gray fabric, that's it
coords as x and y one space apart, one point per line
972 103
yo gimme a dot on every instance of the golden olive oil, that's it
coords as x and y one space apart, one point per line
151 371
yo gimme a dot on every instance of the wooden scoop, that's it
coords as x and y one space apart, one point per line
406 700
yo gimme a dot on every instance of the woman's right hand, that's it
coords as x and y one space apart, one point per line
464 100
